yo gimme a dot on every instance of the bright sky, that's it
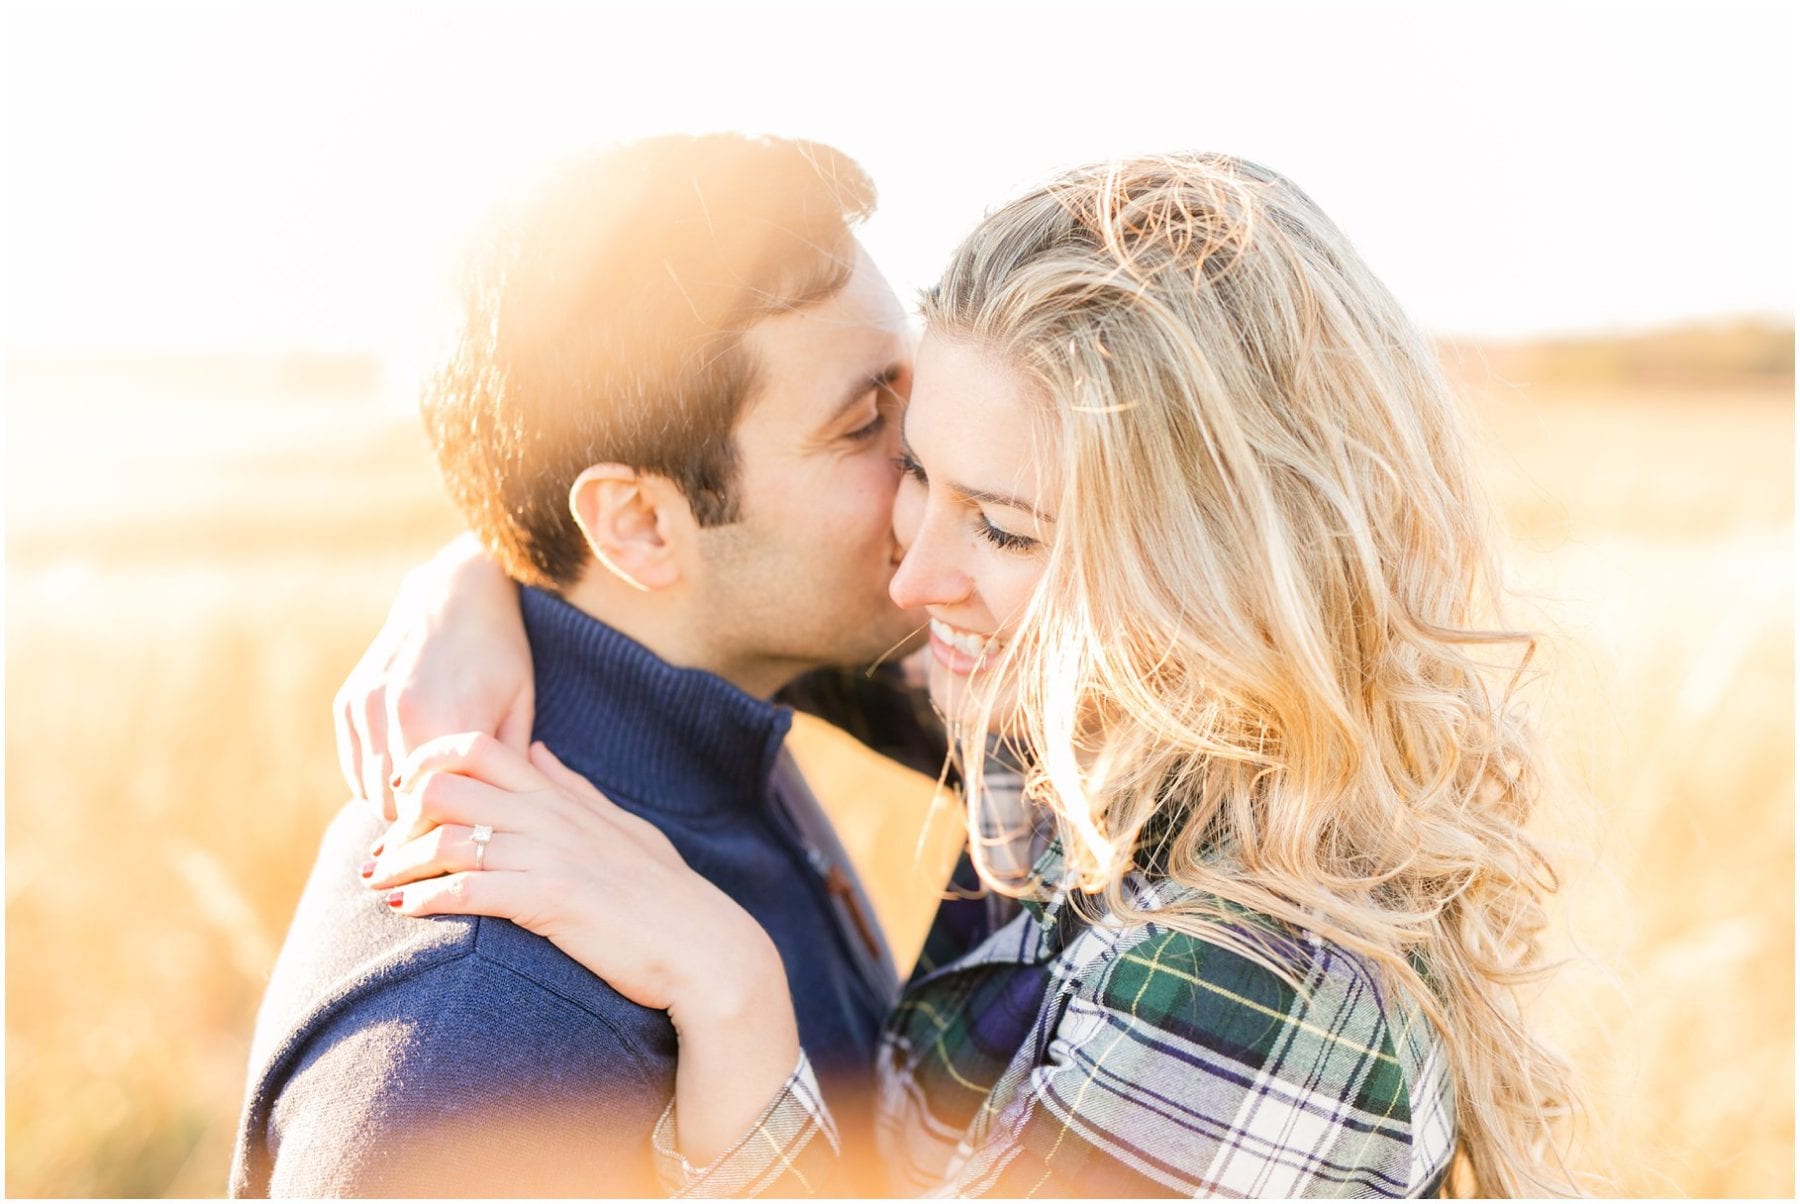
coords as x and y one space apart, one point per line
228 178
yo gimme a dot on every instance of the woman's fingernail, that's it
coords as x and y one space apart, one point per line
394 781
396 898
367 870
375 849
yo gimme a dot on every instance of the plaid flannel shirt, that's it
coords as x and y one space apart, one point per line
1067 1058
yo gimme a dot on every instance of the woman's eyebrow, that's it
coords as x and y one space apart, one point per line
976 495
1001 499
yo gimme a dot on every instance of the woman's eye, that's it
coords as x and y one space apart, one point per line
1005 539
910 467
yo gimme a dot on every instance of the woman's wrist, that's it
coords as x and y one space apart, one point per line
464 552
739 1043
730 985
468 575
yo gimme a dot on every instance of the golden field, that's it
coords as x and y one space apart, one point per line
197 554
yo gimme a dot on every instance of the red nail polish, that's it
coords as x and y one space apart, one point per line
394 781
375 849
367 870
396 898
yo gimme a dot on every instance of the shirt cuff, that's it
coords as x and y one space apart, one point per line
767 1150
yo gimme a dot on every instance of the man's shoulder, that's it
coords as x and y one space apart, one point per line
347 954
339 942
420 1028
452 1077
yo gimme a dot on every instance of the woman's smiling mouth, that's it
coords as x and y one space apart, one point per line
958 650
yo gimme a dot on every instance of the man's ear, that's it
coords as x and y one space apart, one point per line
631 520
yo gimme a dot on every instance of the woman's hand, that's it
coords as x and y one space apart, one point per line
452 657
609 890
567 863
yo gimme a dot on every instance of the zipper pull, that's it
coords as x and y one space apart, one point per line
837 883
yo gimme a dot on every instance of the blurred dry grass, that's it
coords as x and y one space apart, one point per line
188 579
1653 541
190 573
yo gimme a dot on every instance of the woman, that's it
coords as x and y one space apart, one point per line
1187 501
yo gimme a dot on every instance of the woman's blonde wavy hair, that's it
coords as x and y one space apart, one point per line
1262 658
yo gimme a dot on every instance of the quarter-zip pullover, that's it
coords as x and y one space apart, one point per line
465 1056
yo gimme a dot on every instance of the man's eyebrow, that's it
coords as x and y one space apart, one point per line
978 495
860 388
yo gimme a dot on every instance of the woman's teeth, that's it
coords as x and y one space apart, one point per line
965 642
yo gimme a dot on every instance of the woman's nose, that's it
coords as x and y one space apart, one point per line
928 574
908 513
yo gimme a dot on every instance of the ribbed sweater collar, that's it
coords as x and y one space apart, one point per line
682 741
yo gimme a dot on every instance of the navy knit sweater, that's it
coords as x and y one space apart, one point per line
459 1056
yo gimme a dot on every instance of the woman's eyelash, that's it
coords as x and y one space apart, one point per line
1005 539
1000 538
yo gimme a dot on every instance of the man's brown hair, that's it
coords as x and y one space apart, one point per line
602 321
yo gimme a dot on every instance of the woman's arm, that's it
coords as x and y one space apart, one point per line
611 891
452 657
1158 1063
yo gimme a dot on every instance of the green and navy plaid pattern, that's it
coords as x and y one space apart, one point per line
1066 1058
791 1150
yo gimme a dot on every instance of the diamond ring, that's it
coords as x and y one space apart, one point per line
480 836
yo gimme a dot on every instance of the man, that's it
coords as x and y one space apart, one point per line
670 413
